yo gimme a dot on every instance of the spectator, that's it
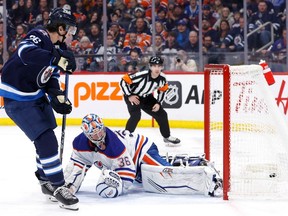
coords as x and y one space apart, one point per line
175 16
131 43
17 13
225 15
207 30
159 5
95 35
182 33
158 46
183 63
192 45
222 32
139 12
210 51
112 51
277 53
261 16
76 40
162 16
206 14
128 13
81 15
236 6
93 18
143 34
118 33
160 29
30 20
236 16
234 41
45 18
170 49
20 34
85 48
132 62
192 10
37 13
217 8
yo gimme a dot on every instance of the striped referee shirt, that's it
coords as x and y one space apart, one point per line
142 84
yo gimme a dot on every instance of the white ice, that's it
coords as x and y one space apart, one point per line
20 193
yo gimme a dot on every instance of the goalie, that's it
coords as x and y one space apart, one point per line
124 157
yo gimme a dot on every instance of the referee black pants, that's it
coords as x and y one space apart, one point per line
146 105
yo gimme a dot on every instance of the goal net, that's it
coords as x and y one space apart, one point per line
245 133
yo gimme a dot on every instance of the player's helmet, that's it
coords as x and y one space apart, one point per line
62 17
156 60
94 129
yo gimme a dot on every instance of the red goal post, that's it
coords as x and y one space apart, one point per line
244 132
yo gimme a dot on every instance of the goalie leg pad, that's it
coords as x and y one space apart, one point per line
109 184
178 180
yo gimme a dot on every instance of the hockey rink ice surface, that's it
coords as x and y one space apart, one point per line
21 194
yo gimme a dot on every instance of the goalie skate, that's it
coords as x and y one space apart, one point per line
66 199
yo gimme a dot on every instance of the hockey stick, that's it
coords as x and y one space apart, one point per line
64 119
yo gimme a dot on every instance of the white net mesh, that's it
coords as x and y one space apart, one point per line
258 134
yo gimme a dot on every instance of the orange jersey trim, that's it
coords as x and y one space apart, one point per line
127 79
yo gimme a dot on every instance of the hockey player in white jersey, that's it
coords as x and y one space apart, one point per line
120 155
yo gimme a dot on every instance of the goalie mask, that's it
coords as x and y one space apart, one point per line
94 129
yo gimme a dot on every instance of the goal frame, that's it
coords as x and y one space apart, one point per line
226 121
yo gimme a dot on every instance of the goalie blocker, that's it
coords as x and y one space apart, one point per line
203 180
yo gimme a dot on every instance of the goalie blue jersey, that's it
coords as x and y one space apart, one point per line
28 72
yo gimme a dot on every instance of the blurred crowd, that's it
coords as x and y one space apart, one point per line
129 31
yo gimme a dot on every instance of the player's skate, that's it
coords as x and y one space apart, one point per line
46 188
172 141
66 199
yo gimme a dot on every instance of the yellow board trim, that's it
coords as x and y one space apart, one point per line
120 123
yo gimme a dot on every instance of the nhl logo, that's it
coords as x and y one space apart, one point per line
172 95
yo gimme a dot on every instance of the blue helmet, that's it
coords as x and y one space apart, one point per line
62 17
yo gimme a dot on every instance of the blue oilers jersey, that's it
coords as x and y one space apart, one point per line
28 72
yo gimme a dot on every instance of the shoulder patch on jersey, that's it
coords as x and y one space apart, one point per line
44 76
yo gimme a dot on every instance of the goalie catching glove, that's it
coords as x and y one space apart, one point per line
109 184
58 103
65 60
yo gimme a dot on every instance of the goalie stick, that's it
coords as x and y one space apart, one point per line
64 119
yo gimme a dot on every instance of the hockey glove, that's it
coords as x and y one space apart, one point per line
65 60
58 102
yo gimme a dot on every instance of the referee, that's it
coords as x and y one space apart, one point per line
138 88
